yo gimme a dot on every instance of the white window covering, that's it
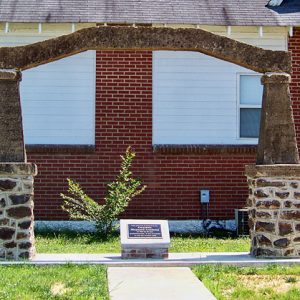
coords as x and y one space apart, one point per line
58 101
250 98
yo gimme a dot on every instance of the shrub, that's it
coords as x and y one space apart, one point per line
119 193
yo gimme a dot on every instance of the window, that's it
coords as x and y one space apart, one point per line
58 102
250 99
201 100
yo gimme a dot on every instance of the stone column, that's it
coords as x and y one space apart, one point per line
11 137
274 182
16 176
277 138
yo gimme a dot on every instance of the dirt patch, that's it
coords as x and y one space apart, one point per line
59 289
278 283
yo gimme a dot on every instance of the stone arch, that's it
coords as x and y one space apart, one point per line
145 38
16 174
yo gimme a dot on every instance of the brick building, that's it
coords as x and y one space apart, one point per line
193 120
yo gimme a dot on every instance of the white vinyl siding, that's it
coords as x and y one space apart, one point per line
196 97
58 99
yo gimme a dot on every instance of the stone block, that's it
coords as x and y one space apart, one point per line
6 233
10 245
19 199
296 239
23 235
294 185
261 194
19 212
25 224
264 226
2 203
267 183
263 241
263 252
7 184
285 228
289 252
4 222
290 215
297 195
267 204
24 255
288 204
25 245
263 215
282 243
282 195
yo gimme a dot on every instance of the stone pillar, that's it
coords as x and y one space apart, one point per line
274 182
16 176
277 138
16 211
11 137
274 210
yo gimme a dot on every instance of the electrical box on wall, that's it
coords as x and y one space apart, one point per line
204 196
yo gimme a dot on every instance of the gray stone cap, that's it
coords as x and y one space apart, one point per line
11 169
280 170
276 78
139 243
10 74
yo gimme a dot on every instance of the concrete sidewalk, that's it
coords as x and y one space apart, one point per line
155 284
174 260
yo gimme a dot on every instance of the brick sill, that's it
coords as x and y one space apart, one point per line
204 149
60 149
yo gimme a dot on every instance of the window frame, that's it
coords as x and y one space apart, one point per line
240 106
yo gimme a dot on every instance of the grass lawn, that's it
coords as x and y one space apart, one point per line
53 282
88 243
90 282
271 282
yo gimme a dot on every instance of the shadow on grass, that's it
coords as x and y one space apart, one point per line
211 233
90 238
70 235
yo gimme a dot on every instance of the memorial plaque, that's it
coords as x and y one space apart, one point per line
144 231
143 239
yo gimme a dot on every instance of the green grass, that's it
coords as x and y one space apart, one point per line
89 243
271 282
209 244
53 282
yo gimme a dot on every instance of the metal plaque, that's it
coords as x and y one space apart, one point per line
144 231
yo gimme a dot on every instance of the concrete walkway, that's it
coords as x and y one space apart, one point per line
155 284
174 260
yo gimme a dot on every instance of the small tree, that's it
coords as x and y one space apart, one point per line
119 193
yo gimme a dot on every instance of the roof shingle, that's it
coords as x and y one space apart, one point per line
204 12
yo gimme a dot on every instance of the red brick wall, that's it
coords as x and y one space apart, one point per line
294 48
173 177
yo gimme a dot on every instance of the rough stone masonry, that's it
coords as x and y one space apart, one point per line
16 211
274 210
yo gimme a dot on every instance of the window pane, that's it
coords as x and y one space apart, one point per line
251 89
249 122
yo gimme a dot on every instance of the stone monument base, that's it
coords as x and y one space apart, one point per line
141 239
16 211
145 253
274 210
